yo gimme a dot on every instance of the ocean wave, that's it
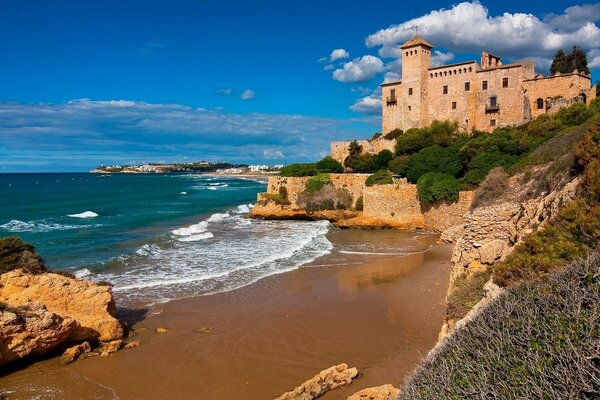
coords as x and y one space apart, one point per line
196 237
40 226
218 217
85 214
200 227
82 273
243 208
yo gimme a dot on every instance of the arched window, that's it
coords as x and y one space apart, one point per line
540 104
583 98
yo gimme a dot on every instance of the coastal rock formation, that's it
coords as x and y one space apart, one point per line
92 307
31 330
384 392
326 380
72 354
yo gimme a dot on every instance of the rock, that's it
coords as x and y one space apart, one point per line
384 392
31 330
91 306
132 344
74 353
491 251
326 380
111 347
204 329
161 330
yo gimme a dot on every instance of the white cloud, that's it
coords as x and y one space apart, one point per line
594 58
247 94
272 154
440 58
338 54
359 70
468 27
328 67
370 104
224 90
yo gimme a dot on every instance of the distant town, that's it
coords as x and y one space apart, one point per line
200 166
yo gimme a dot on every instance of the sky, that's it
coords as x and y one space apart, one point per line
260 82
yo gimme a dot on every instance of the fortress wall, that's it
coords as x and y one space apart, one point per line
568 86
353 183
443 215
294 186
339 150
395 203
391 115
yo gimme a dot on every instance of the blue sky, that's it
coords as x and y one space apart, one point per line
84 82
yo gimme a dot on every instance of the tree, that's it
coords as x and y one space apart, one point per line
559 63
434 186
433 159
329 165
566 63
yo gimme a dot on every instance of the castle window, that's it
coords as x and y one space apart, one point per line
445 73
454 105
410 91
492 122
540 104
493 101
467 86
504 82
431 75
409 108
470 69
484 85
445 89
407 53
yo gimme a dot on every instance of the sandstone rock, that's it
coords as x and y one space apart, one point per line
90 305
111 347
326 380
161 330
74 353
132 344
32 330
491 251
384 392
204 329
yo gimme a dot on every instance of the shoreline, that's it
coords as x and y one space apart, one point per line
379 313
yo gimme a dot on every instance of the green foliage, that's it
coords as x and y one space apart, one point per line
466 292
300 169
576 114
399 165
369 162
326 198
382 159
329 165
14 253
381 177
566 63
435 186
315 183
535 341
443 133
354 148
376 135
276 198
393 134
434 159
484 162
359 204
543 125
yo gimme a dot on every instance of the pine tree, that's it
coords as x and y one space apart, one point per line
559 64
579 60
566 63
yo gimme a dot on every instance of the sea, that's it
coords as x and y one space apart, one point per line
155 237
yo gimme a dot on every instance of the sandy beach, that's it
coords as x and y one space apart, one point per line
380 313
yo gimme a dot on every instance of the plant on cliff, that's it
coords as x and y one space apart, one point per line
326 198
329 166
435 186
301 169
315 183
391 135
14 253
484 162
381 177
443 133
535 341
399 165
434 159
359 204
466 292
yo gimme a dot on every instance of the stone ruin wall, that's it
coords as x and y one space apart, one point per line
397 204
339 150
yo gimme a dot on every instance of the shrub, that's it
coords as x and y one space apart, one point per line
276 198
301 169
595 104
15 253
362 163
381 177
576 114
433 159
329 165
376 135
359 204
483 163
399 165
315 183
434 186
393 134
443 132
466 292
326 198
382 159
413 140
543 125
492 188
354 148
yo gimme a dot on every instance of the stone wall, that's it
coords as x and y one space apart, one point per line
339 150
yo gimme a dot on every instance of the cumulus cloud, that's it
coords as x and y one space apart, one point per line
328 67
359 70
370 104
440 58
80 134
468 27
594 58
338 54
272 154
247 94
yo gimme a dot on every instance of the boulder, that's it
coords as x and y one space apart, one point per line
31 330
111 347
384 392
326 380
491 251
74 353
90 305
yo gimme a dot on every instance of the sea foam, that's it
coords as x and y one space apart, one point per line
85 214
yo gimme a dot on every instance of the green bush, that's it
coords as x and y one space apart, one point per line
484 162
15 253
381 177
315 183
435 186
543 125
393 134
466 292
576 114
326 198
413 140
433 159
399 165
329 165
443 133
362 163
382 159
376 135
359 204
301 169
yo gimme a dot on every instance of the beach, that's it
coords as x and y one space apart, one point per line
376 310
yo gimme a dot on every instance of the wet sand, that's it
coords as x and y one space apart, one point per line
380 313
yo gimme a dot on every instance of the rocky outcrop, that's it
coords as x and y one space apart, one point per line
90 306
31 330
73 353
384 392
326 380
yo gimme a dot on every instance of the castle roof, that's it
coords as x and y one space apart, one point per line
416 41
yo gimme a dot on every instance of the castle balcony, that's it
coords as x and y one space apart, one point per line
391 101
490 108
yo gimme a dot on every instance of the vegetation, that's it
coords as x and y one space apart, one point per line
536 341
436 186
329 166
299 169
14 253
326 198
491 188
316 183
565 63
466 293
434 159
393 134
381 177
359 204
399 165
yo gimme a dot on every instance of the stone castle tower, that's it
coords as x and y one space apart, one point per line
479 96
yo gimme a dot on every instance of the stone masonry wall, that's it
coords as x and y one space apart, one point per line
339 150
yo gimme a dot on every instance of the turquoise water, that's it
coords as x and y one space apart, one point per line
154 237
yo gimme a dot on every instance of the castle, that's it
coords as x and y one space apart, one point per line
477 96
